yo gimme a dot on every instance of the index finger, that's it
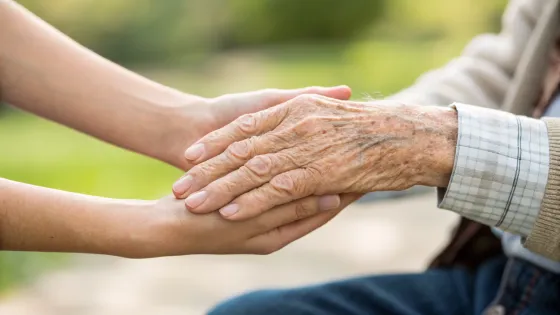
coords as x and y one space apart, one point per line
242 128
258 123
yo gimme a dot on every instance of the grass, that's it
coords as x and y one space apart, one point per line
43 153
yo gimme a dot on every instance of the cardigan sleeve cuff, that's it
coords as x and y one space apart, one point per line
544 238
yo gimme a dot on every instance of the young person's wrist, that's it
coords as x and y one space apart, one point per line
176 128
135 229
155 229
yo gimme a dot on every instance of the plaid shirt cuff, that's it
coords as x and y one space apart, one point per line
500 171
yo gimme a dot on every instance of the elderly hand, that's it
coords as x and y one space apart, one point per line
314 145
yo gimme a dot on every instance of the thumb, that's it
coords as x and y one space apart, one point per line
249 102
227 107
275 97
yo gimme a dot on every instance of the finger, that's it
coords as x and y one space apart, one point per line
278 238
281 189
234 157
257 171
242 128
237 154
254 124
291 212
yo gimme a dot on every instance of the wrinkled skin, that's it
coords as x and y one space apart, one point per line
206 115
314 145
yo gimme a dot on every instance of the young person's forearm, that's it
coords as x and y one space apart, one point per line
40 219
47 73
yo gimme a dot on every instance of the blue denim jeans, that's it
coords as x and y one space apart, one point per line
499 286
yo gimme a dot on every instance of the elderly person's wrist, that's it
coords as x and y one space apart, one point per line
437 146
421 143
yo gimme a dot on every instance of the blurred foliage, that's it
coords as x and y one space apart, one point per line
148 30
459 19
210 47
280 21
141 31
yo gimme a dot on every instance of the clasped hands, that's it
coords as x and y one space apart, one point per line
314 145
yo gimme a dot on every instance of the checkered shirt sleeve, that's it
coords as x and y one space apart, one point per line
501 169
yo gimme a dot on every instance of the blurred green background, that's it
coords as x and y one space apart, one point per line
210 47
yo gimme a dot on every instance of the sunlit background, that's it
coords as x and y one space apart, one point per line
211 47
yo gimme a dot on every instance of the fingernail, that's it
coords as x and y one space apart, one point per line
194 152
329 202
229 210
183 184
196 199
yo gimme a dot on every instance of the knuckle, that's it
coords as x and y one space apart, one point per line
276 141
247 176
307 126
207 169
228 186
292 159
314 172
199 171
283 182
215 136
260 165
304 98
241 149
256 198
247 123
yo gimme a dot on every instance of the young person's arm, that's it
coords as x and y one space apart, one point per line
46 73
41 219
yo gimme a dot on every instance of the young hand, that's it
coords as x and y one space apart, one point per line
172 230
